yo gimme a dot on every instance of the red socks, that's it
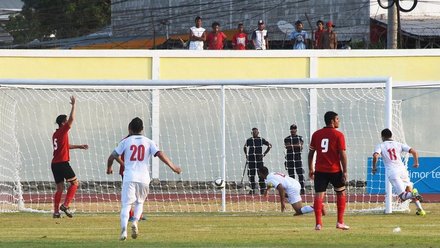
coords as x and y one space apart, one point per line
70 194
317 206
340 198
56 201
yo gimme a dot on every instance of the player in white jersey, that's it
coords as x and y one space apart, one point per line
137 150
397 172
287 187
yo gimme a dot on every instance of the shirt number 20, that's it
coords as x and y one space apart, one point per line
138 153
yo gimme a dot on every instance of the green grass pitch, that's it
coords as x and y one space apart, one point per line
222 230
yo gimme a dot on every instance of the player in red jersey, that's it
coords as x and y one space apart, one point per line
330 167
60 163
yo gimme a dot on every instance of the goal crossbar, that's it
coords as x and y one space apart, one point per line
306 81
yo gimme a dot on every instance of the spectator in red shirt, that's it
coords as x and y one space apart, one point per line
318 34
330 167
60 163
216 38
329 38
240 40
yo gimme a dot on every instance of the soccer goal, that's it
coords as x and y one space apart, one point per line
201 125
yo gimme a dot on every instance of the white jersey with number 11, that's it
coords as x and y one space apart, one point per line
390 151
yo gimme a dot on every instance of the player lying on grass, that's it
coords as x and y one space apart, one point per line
397 172
287 188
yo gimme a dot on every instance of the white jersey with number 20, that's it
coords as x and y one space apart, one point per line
137 150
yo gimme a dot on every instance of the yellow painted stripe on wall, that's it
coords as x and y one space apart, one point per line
233 68
76 68
399 68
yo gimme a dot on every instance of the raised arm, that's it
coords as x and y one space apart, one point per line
164 158
72 111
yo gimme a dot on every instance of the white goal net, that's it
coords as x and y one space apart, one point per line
202 126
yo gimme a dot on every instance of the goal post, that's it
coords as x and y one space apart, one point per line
201 124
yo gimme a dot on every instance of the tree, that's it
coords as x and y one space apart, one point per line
41 19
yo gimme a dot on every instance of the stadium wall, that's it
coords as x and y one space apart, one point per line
402 65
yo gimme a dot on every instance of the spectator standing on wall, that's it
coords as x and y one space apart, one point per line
216 38
240 40
197 35
329 38
318 33
299 37
259 37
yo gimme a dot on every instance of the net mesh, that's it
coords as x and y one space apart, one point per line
189 122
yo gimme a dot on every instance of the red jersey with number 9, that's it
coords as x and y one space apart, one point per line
328 142
60 142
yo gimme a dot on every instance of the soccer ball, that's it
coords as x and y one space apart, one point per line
219 183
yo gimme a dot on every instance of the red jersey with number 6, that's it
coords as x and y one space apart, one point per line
60 142
328 142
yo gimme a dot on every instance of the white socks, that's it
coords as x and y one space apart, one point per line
125 214
137 211
418 204
406 195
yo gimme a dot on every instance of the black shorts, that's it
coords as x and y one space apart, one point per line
292 164
62 171
322 179
255 165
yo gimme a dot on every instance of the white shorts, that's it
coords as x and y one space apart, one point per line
134 192
399 179
293 193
